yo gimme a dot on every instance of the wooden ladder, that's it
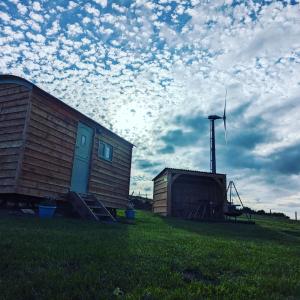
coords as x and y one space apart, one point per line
89 207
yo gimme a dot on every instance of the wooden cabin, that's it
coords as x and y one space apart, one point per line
189 194
48 149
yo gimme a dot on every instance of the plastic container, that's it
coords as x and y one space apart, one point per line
130 214
46 211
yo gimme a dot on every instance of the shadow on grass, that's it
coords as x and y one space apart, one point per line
74 259
273 232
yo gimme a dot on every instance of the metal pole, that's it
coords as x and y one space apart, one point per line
212 146
295 215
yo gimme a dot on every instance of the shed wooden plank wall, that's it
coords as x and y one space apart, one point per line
160 193
14 101
48 156
110 181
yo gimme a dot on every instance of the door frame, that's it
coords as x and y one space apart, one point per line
91 154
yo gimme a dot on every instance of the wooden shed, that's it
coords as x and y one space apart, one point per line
189 194
48 149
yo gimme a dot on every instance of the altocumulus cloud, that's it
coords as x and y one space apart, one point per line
153 70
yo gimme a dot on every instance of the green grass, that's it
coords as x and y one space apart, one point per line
155 258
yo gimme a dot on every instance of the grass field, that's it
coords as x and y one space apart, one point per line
155 258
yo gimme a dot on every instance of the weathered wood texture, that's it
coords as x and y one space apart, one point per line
180 192
160 205
49 153
110 181
14 102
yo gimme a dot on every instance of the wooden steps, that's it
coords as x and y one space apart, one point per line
89 207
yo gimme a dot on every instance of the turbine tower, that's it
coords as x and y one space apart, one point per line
212 119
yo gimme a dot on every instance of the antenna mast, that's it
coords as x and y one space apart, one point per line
212 119
212 146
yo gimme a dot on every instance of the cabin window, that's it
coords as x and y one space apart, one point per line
105 151
83 140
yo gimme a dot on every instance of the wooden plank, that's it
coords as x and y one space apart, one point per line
38 192
8 158
6 189
44 171
12 116
160 210
12 109
11 92
47 163
57 107
56 133
43 156
162 202
9 181
42 185
10 137
51 117
7 173
108 168
159 197
12 123
59 149
14 102
113 176
8 165
100 189
159 191
11 129
52 125
112 184
52 139
9 151
66 159
10 144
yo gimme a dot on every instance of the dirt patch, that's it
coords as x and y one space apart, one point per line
189 275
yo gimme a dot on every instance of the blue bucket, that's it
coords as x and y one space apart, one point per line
46 211
130 214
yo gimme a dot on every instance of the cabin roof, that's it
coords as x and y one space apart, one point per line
7 78
186 172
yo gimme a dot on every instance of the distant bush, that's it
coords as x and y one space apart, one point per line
251 211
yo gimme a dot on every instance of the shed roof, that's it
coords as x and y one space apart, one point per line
186 172
7 78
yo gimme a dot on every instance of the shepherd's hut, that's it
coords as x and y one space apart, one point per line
48 149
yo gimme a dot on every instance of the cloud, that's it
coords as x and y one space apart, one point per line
285 160
103 3
166 149
154 71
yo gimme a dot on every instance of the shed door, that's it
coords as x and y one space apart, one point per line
82 157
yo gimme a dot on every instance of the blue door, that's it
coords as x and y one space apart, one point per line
82 157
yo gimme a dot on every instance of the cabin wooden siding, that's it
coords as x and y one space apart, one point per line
49 147
160 195
14 105
109 181
49 153
37 142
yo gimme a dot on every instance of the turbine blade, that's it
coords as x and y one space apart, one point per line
224 118
225 130
224 114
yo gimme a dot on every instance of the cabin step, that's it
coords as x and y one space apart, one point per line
89 207
95 207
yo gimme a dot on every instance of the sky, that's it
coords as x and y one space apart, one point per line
152 71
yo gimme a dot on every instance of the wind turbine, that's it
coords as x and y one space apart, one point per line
212 119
